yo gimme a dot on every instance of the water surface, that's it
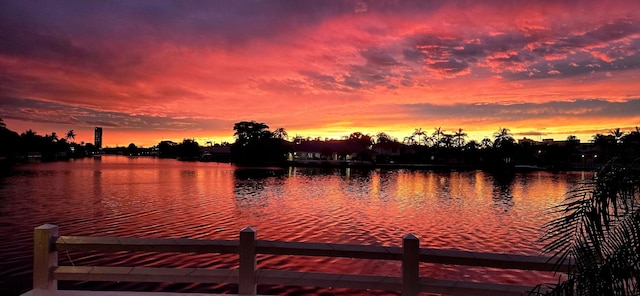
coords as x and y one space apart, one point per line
151 197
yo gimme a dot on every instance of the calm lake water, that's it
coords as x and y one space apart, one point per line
150 197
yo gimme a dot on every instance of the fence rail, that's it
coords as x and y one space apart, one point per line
47 244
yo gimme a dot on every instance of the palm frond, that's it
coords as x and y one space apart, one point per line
598 227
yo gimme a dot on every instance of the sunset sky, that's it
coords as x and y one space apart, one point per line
147 71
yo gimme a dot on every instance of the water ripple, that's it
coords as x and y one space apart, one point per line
147 197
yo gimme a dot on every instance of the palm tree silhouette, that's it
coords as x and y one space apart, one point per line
502 137
409 140
459 135
597 226
70 135
617 133
281 133
420 135
437 135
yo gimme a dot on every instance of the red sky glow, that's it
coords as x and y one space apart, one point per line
147 71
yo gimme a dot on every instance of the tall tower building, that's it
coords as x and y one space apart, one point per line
97 137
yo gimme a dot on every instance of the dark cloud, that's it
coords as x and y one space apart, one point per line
530 54
516 40
603 34
379 68
584 109
413 55
59 113
378 58
321 81
454 55
351 81
113 39
607 48
451 66
187 22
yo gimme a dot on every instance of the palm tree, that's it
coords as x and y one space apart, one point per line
281 133
437 136
617 133
598 226
420 135
409 140
70 135
459 135
502 137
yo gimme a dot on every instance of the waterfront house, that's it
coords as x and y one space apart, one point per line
331 151
217 153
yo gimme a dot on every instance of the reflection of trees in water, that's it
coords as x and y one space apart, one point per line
502 191
444 183
253 187
356 183
258 173
346 172
386 179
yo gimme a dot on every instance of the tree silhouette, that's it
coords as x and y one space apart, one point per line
281 133
409 140
421 137
632 138
503 138
437 136
364 141
132 149
53 137
486 143
459 136
8 140
250 132
382 138
70 135
597 225
255 144
189 149
447 140
617 133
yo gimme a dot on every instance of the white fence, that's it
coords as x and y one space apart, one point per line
47 244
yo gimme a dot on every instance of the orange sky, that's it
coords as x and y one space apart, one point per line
152 70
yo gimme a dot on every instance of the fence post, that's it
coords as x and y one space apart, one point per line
247 252
44 257
410 265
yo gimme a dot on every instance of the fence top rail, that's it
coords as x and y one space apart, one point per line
427 255
115 244
329 250
495 260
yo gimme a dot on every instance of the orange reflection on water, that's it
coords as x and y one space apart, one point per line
149 197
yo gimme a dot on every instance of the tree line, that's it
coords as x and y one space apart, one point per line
256 143
46 147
